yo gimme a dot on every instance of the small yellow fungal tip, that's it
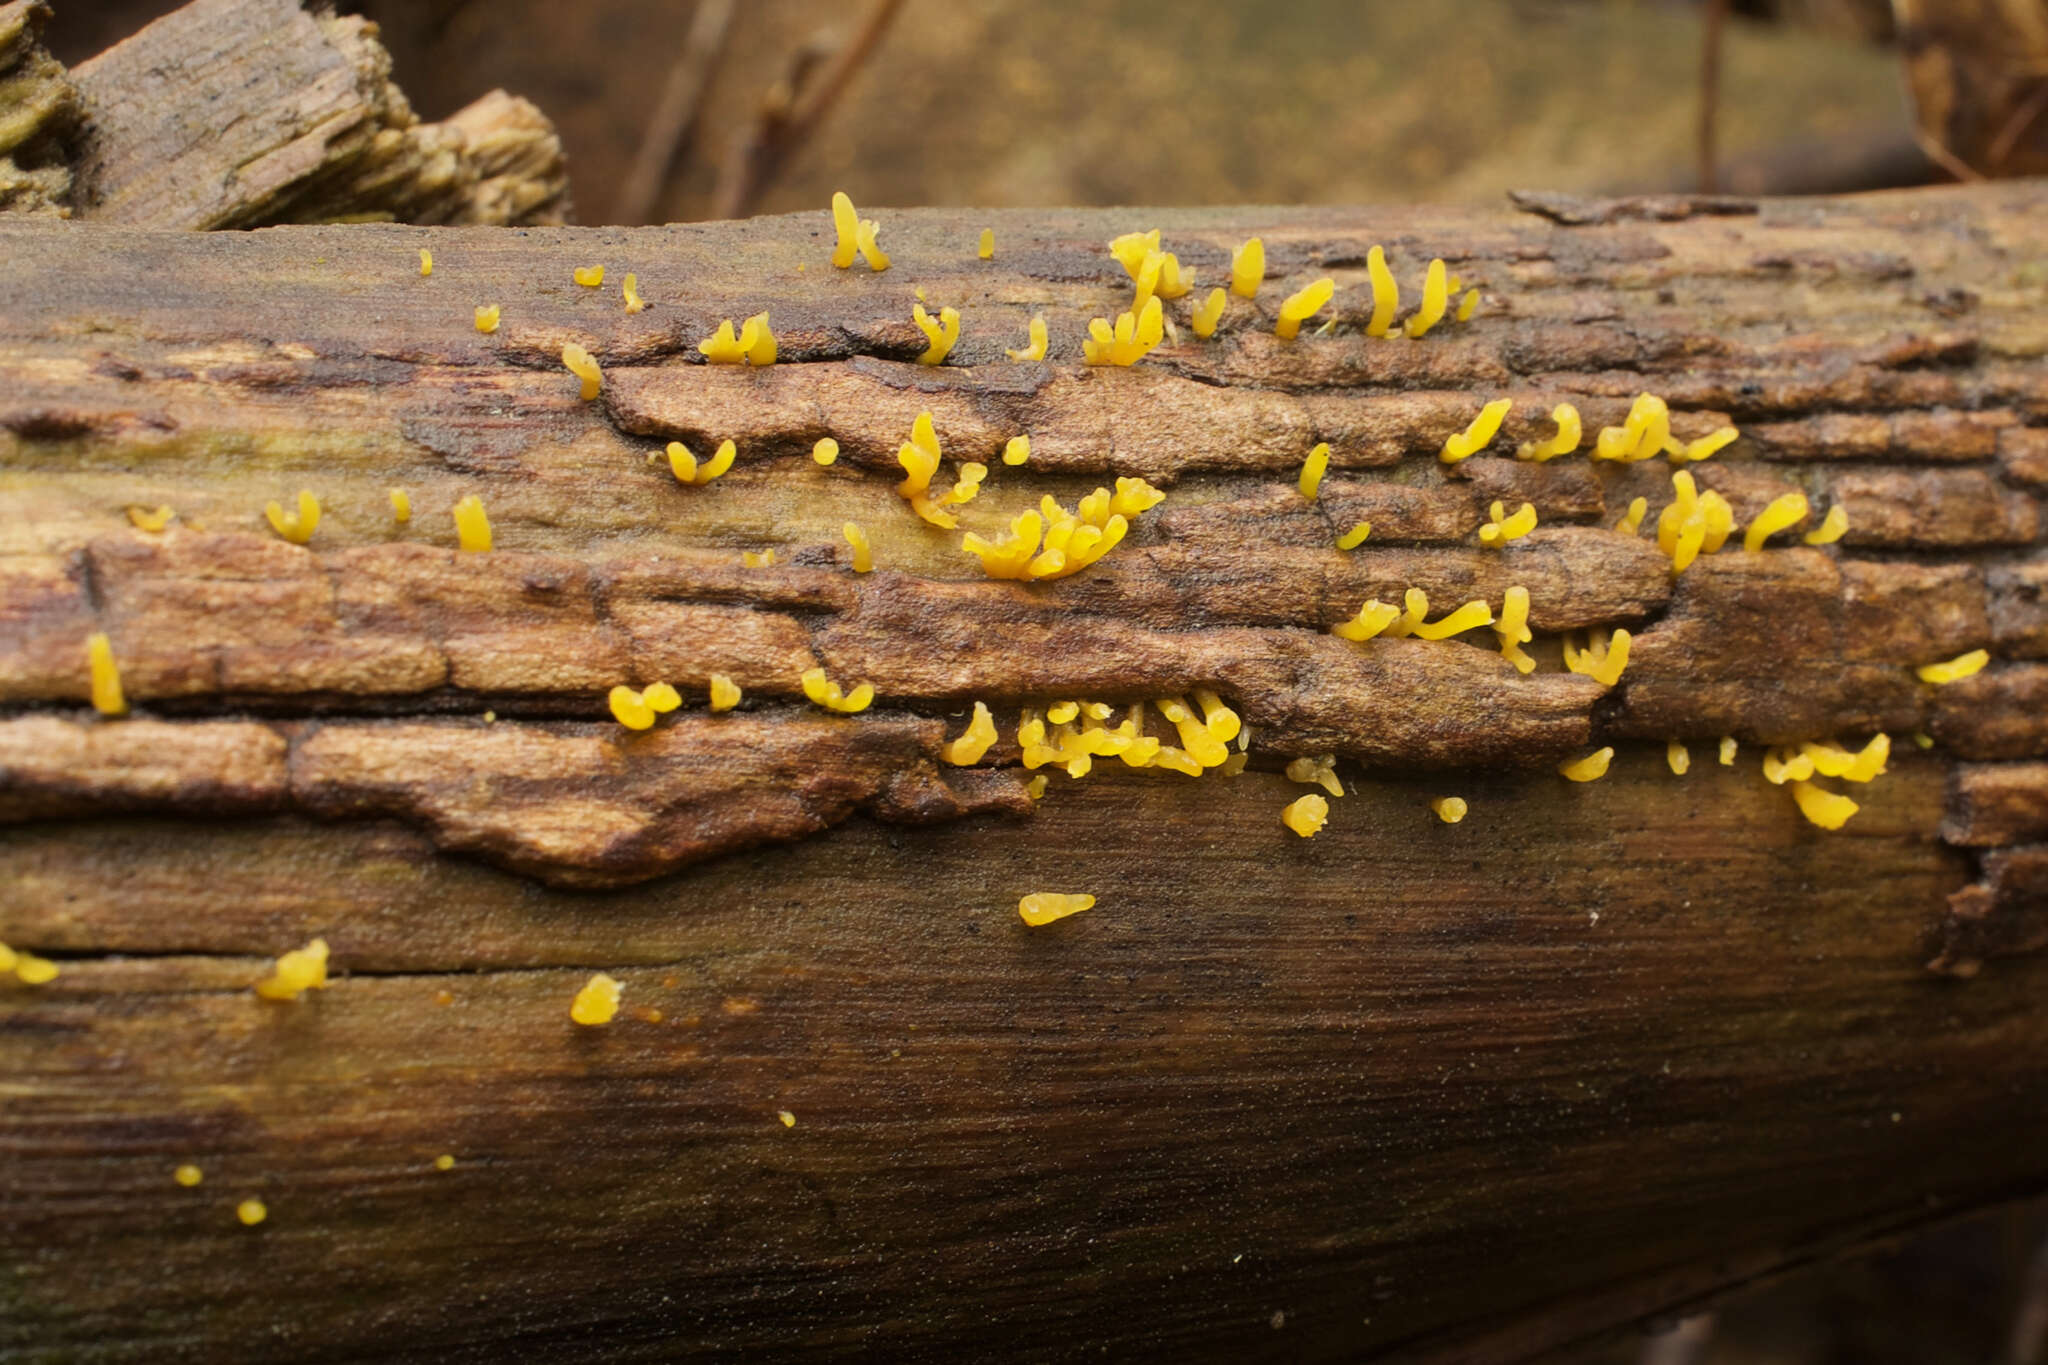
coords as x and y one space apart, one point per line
1956 669
1706 447
589 276
296 972
986 250
863 552
31 970
1035 788
1590 768
487 315
445 1162
584 367
1373 618
1449 809
1823 807
472 525
825 451
1317 771
1386 294
941 334
975 741
725 693
297 527
597 1002
1569 432
634 303
1130 340
401 505
629 708
1501 528
107 696
1301 305
1354 537
1312 470
1832 527
1036 349
1864 765
251 1212
1468 305
661 698
1247 269
1785 511
1633 520
762 559
1678 756
754 344
426 261
1060 712
145 520
846 222
788 1119
1603 658
1209 314
1043 907
1513 628
1478 435
1017 450
827 693
867 236
1435 299
1727 751
1645 432
1306 815
685 467
188 1175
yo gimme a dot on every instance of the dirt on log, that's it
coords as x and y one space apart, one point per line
1443 1091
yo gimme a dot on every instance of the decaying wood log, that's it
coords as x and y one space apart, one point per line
1596 1051
38 116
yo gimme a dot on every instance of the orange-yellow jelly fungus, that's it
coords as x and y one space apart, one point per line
1512 629
941 334
581 364
985 249
297 527
107 697
1468 305
1678 756
1303 304
1603 658
1386 294
687 469
598 1001
426 262
827 694
1569 433
1017 450
1501 528
1823 807
472 525
589 276
188 1175
1205 317
1832 527
1130 340
1354 537
1726 753
1449 809
1436 300
863 552
1035 349
1705 447
634 303
31 970
974 741
1043 907
1312 470
145 520
1956 669
1862 765
1319 770
296 972
487 315
1306 815
761 559
251 1212
401 505
1247 268
725 693
1785 511
825 452
1471 616
1632 520
755 344
632 709
1590 768
1477 436
445 1162
1372 619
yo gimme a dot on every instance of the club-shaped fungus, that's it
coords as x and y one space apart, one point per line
631 292
1569 433
1132 338
1312 470
1436 300
1303 304
1785 511
754 345
1832 527
941 334
1035 347
144 519
1823 807
974 741
1678 756
108 698
1306 815
863 552
1247 269
1646 432
589 276
1591 768
1043 907
1500 528
1860 765
1705 447
1956 669
1017 450
1449 809
297 527
296 972
251 1212
1512 629
826 693
725 693
472 525
687 469
825 452
1727 751
401 505
986 248
1386 294
1317 771
487 315
1603 658
188 1175
1205 317
1632 520
426 262
598 1001
1354 537
1476 436
584 366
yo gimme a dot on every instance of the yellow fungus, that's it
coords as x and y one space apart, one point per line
1569 432
472 525
1035 350
145 520
1645 432
725 693
825 451
1043 907
827 694
1011 556
686 468
986 249
1435 299
1822 807
251 1212
1133 248
597 1002
1312 470
297 527
871 247
1222 722
445 1162
401 505
1017 450
1301 305
426 262
1354 537
8 958
634 303
1449 809
108 698
1209 314
1831 528
1386 294
1471 616
1633 520
754 344
630 708
1678 756
589 276
1060 712
1864 765
1693 522
661 698
1468 305
1705 447
1132 338
1247 269
847 222
974 741
863 552
1782 765
1603 658
1035 788
31 970
188 1175
1500 528
1373 618
296 972
1133 496
764 559
1513 628
941 334
1785 511
1727 752
1956 669
1306 815
1318 771
487 315
786 1118
1590 768
1478 435
584 367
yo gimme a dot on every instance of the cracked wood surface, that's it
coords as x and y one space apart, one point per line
1607 1046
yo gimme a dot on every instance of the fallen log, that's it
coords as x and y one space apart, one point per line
1433 1090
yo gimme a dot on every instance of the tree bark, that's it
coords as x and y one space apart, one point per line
1467 1091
